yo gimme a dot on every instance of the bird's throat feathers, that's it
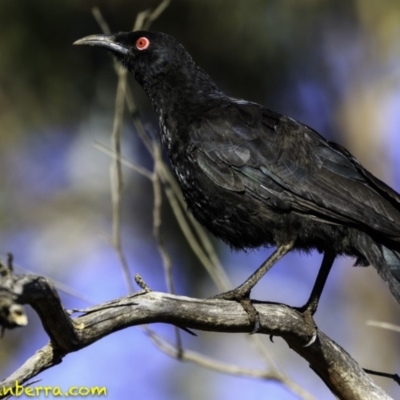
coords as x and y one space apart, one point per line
173 88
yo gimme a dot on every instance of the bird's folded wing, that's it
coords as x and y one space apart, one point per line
385 190
219 172
294 168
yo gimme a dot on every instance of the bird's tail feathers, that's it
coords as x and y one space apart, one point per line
387 263
392 259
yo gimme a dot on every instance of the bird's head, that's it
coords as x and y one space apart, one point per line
160 64
147 55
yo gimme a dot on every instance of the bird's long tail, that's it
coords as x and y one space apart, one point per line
385 260
392 259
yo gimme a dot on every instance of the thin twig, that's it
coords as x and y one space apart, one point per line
156 13
143 20
180 216
157 221
394 377
62 287
101 21
218 366
209 362
384 325
116 175
130 164
116 165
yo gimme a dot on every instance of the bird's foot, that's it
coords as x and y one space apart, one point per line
243 297
242 293
310 308
308 311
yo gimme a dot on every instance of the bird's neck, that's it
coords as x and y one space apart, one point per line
181 91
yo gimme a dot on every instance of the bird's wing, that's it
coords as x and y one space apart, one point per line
386 191
289 166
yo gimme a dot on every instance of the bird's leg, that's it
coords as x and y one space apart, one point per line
244 289
309 309
241 294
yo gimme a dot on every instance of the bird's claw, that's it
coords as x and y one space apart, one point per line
307 311
243 297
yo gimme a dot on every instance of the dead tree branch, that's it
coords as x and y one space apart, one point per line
334 365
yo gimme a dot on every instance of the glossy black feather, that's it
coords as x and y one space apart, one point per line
257 178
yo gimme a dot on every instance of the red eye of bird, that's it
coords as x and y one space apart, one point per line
142 43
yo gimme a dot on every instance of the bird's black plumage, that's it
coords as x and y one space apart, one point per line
254 177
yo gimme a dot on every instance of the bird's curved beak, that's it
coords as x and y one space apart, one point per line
106 41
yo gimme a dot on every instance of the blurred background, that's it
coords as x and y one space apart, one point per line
332 64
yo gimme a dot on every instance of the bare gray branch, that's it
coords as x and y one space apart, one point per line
340 372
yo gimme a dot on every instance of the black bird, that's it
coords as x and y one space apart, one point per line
256 178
